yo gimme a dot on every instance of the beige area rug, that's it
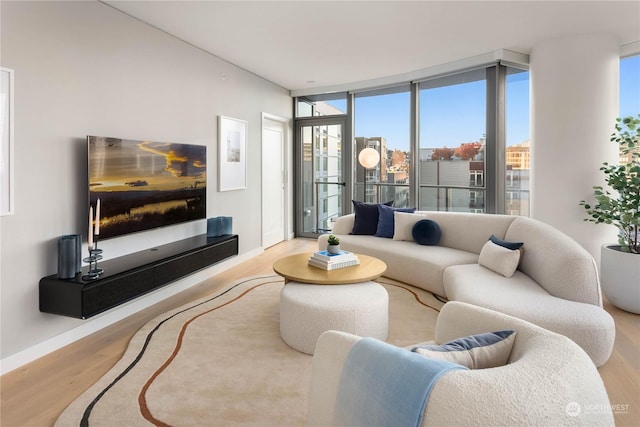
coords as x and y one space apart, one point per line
220 361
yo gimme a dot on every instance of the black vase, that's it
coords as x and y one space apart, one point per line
69 254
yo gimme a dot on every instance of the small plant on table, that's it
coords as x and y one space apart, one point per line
333 246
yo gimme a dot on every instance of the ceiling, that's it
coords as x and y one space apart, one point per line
321 44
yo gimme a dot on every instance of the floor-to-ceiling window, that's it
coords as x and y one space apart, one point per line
452 138
630 86
629 93
518 147
474 142
458 142
381 123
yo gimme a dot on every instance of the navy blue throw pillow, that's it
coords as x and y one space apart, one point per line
426 232
509 245
366 219
386 222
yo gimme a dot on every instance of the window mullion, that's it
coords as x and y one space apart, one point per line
414 146
496 140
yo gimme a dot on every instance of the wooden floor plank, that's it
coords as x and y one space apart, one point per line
36 394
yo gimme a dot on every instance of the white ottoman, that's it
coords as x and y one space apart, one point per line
307 310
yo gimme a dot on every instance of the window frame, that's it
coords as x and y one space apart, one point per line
494 178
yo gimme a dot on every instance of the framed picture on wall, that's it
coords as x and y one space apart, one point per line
232 154
6 141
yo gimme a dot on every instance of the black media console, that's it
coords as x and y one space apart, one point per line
130 276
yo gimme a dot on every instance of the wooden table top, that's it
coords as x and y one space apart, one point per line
295 268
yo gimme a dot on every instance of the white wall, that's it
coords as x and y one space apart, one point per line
574 103
84 68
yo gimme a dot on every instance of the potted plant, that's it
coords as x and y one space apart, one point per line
333 246
620 206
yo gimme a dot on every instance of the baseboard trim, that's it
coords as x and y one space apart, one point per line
112 316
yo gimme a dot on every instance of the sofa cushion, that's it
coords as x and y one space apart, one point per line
520 296
404 223
421 266
469 231
499 258
426 232
366 217
481 351
386 219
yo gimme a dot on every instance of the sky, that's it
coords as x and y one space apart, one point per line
449 115
630 86
452 115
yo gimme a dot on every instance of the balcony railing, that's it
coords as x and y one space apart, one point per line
450 198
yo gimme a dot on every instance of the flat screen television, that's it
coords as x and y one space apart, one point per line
143 185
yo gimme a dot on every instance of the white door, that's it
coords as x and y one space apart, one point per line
273 181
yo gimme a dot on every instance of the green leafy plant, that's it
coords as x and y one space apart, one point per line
333 240
621 206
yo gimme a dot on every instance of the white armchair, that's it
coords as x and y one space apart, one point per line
549 380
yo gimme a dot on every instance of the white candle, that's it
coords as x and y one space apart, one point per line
97 218
90 235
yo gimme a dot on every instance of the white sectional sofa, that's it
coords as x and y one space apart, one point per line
555 286
548 380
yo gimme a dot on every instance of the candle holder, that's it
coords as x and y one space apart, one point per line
95 255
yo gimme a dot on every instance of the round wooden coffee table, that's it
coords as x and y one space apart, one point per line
295 268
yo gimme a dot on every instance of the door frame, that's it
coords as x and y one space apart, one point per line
347 166
286 162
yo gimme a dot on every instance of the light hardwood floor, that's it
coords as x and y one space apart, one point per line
35 394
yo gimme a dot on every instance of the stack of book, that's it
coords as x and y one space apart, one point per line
327 261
